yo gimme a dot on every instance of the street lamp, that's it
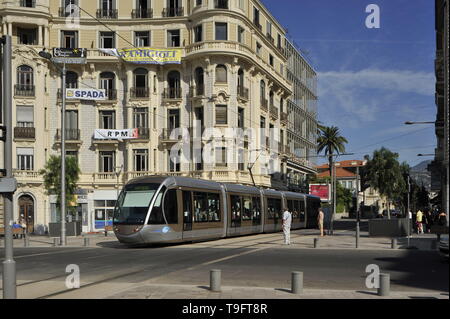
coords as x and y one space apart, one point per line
48 57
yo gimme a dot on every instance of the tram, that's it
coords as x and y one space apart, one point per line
168 209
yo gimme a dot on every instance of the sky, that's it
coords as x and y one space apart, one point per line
370 80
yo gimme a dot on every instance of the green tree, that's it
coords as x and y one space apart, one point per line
344 198
52 177
330 142
384 173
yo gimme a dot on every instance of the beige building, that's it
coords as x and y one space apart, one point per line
233 74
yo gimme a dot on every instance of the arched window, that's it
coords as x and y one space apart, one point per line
221 73
262 90
71 80
240 78
281 105
271 98
140 83
199 81
173 79
25 81
107 82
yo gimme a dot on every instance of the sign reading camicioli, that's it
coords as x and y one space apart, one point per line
147 55
86 94
116 134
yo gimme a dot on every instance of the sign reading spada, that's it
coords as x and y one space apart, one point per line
86 94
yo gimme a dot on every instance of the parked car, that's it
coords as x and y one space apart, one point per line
443 246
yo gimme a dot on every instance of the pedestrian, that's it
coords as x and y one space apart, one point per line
320 217
429 219
287 220
442 219
24 226
419 220
16 225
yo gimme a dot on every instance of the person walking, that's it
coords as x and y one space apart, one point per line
287 220
419 220
320 217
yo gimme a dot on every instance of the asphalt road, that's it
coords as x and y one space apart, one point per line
241 265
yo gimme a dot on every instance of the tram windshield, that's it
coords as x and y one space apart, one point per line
133 204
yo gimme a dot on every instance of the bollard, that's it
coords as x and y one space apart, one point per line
297 282
316 242
55 242
214 280
385 284
357 235
26 241
394 243
86 241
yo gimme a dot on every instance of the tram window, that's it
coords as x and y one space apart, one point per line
302 211
187 207
156 216
290 204
171 206
295 211
247 208
256 210
273 208
200 207
213 207
235 208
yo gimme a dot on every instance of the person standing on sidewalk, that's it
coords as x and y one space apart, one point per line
419 219
320 217
287 220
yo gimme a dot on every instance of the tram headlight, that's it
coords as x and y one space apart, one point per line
165 229
137 229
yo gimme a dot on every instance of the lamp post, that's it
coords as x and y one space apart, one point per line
48 56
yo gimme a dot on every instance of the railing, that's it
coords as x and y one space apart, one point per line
242 92
63 12
143 133
27 175
24 132
105 176
284 118
264 105
132 175
142 13
111 94
198 90
24 90
28 3
72 134
165 135
221 4
139 92
172 93
273 111
107 13
269 36
257 25
173 12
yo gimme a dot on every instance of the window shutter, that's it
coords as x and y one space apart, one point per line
221 114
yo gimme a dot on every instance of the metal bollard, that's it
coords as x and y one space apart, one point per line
26 241
385 284
357 235
55 242
297 282
316 242
86 241
394 243
214 279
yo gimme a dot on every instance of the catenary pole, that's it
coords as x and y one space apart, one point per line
9 265
63 158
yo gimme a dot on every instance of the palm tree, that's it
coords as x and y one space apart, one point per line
331 142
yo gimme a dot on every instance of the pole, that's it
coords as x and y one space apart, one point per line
408 212
9 265
358 214
334 196
63 158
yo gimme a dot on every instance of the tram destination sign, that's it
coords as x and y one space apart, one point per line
69 56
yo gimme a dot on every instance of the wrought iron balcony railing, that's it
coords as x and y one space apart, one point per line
142 13
72 134
139 92
24 90
242 92
173 12
24 132
172 93
107 13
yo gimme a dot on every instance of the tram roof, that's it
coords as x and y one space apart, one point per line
293 194
239 188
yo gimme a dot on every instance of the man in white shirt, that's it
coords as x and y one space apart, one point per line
287 220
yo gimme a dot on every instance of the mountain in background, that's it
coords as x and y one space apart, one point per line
421 175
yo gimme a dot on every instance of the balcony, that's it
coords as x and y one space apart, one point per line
105 178
24 132
111 94
257 25
133 175
24 90
198 90
107 13
27 176
71 134
64 13
139 93
172 94
143 133
221 4
284 118
242 92
142 13
270 38
273 112
173 12
264 105
165 136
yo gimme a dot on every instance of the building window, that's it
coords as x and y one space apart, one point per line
28 3
221 114
221 31
107 10
140 83
142 38
240 117
71 80
140 117
262 91
107 40
221 157
25 116
198 33
107 120
258 48
269 29
256 17
221 4
140 160
27 36
107 161
173 38
271 60
173 79
198 2
174 161
72 125
241 34
107 82
221 73
69 39
25 159
25 81
199 82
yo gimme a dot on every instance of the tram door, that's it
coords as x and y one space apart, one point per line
187 213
